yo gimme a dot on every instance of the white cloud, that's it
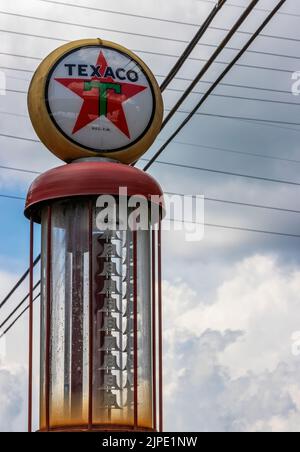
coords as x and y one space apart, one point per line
230 362
11 398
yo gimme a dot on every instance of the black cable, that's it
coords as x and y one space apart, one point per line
258 121
264 10
244 66
18 307
232 151
201 146
243 118
19 316
21 280
216 83
18 198
236 203
187 52
222 201
18 169
231 85
206 198
177 165
91 27
164 20
203 44
227 173
226 96
237 228
210 61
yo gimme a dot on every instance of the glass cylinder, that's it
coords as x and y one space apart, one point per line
98 322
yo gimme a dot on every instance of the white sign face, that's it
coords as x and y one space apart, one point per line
100 98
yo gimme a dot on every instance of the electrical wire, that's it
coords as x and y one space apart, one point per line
215 84
18 198
167 20
237 203
18 306
238 228
21 280
231 85
227 173
249 66
283 13
187 52
19 316
256 121
182 143
225 96
211 61
243 118
176 165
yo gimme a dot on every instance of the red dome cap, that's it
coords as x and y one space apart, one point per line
88 179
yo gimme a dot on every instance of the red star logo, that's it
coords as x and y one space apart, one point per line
102 96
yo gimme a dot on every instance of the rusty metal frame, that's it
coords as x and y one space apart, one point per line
154 357
160 334
30 327
48 318
135 327
91 319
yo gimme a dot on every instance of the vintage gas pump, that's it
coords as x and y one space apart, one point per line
98 107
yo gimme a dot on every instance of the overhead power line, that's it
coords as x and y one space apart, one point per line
178 165
215 84
182 143
19 198
195 168
226 173
246 66
230 85
238 228
210 62
176 22
237 203
234 5
227 96
21 280
215 200
233 151
170 55
243 118
19 316
257 121
223 96
187 52
18 306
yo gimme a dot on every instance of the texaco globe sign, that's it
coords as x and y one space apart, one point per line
93 98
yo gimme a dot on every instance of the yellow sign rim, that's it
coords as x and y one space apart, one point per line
57 142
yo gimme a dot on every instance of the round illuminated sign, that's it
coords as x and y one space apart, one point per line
95 98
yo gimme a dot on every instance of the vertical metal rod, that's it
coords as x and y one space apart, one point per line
154 326
160 338
91 318
135 327
48 318
30 344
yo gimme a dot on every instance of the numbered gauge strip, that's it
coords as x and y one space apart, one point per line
113 327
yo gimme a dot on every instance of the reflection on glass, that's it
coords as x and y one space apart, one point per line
113 323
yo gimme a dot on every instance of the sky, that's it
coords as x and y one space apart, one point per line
231 301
